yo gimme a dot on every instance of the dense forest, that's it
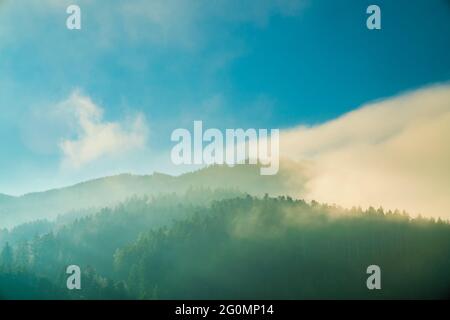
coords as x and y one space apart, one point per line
211 244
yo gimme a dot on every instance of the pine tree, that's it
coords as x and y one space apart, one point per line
6 257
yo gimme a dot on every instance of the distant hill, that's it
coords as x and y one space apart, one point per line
5 200
4 197
109 191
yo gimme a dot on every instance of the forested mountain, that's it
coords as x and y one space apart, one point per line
192 196
84 198
237 246
5 198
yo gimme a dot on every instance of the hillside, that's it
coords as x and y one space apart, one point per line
236 248
109 191
5 198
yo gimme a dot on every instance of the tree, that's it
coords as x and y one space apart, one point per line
6 257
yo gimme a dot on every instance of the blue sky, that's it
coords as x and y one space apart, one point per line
260 64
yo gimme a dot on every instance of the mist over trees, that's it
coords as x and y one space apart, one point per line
222 244
89 197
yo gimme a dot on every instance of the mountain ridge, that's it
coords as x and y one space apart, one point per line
111 190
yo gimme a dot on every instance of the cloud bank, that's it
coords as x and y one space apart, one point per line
393 153
95 137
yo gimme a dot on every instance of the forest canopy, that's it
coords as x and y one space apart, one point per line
234 247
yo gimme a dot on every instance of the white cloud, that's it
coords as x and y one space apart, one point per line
95 137
393 153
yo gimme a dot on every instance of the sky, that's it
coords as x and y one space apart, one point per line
392 153
81 104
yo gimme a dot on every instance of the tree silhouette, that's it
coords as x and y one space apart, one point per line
6 257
